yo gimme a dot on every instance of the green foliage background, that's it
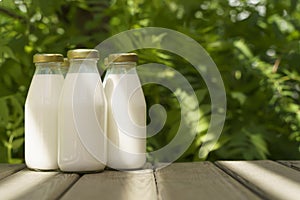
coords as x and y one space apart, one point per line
255 45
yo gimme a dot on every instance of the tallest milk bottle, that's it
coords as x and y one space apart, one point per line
82 115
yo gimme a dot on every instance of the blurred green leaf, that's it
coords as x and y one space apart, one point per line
242 46
17 143
4 113
18 132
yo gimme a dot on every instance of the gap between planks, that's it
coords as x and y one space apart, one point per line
266 178
294 164
27 184
9 169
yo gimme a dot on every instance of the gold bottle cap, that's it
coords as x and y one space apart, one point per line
122 57
83 54
66 63
44 58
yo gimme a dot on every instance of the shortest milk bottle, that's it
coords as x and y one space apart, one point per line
82 115
126 124
41 108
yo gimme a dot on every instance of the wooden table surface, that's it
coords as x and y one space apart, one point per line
199 180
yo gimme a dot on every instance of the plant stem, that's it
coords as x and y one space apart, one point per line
11 14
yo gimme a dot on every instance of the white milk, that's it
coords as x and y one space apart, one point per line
127 130
82 123
41 109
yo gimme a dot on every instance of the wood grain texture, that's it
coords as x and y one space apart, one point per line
291 163
199 180
116 185
8 169
269 179
28 184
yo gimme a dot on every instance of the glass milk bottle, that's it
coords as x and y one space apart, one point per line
126 124
65 67
82 115
41 108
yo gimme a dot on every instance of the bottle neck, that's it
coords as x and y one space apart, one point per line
48 68
83 66
122 68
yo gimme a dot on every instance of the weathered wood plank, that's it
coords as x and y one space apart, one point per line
28 184
269 179
8 169
53 188
199 180
291 163
133 185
